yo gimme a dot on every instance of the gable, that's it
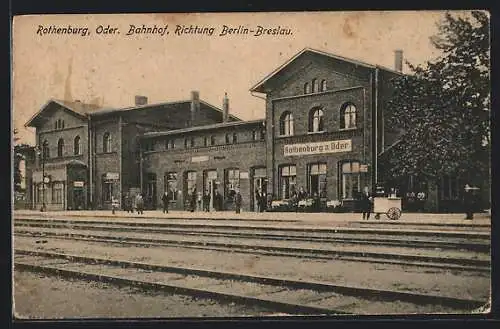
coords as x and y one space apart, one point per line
316 70
46 118
300 61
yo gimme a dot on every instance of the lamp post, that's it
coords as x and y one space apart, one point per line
42 152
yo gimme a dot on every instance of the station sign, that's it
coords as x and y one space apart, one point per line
78 183
244 175
112 176
201 158
336 146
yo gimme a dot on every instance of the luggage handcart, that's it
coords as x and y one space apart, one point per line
391 206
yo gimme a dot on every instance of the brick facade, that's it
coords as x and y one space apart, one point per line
245 155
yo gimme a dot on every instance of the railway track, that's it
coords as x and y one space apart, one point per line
407 259
279 294
452 243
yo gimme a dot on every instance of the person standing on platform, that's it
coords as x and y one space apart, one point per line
366 203
257 200
302 195
192 203
468 202
206 201
114 204
165 199
127 203
139 203
217 201
199 201
237 201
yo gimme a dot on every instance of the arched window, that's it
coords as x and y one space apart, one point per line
76 146
227 139
286 124
186 143
235 138
60 147
212 140
307 88
205 141
348 116
106 142
56 125
62 124
323 85
316 121
192 142
315 86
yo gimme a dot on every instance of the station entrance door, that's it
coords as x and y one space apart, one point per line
210 185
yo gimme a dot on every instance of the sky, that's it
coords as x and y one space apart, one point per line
110 69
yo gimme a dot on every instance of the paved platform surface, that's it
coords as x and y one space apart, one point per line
480 219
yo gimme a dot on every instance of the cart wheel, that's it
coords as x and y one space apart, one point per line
394 213
377 216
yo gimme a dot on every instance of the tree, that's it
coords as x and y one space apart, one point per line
19 155
442 108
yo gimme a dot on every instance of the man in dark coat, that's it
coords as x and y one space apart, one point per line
366 203
237 201
165 198
468 202
206 201
192 203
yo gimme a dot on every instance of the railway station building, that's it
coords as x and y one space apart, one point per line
324 131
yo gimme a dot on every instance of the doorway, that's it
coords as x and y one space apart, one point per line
210 186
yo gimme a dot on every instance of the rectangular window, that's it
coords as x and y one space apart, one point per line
317 179
171 184
212 140
107 190
350 180
232 178
57 193
288 178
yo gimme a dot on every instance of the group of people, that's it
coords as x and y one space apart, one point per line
468 200
130 202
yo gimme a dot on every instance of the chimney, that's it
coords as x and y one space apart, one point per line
141 100
225 108
398 60
195 106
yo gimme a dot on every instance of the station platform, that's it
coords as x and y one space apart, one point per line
456 219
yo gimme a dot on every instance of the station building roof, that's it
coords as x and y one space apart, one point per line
204 128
